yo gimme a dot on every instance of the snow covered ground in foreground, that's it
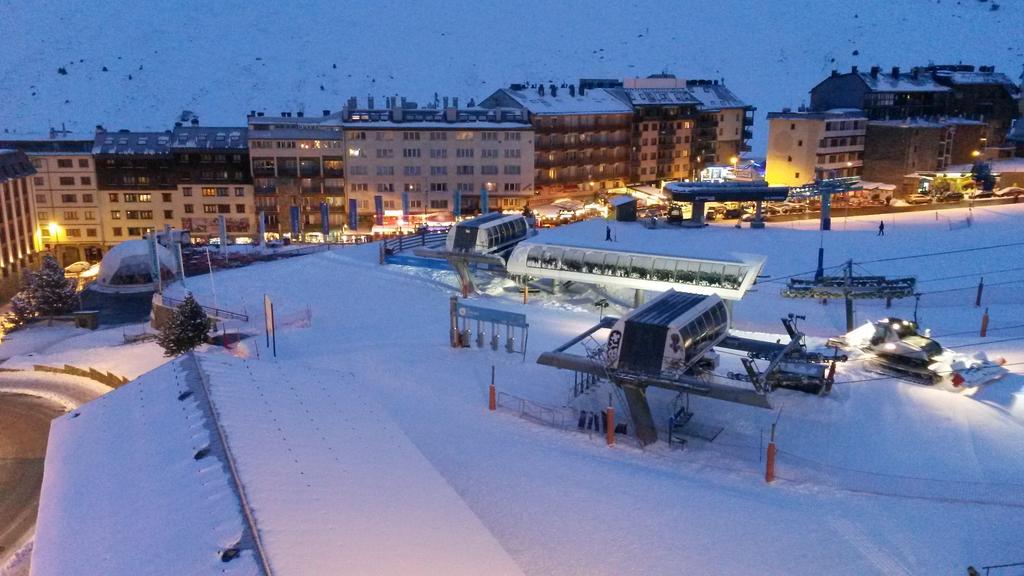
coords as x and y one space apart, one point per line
222 60
104 349
882 476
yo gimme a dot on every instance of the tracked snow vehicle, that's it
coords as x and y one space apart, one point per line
895 346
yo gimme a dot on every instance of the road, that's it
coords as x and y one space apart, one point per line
24 428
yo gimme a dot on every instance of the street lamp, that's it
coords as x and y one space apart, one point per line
54 230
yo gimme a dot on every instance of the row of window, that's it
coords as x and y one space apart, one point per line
63 180
435 153
679 125
414 136
835 142
63 163
466 187
463 170
66 199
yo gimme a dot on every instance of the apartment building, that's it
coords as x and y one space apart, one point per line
933 92
804 146
65 197
583 137
213 181
17 221
298 170
723 124
136 181
896 149
412 162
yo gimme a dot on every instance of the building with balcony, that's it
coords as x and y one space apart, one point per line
933 92
446 159
65 197
298 167
213 180
805 146
723 124
583 137
17 221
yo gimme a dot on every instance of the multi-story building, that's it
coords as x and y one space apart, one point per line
805 146
424 160
298 169
723 124
213 180
65 198
895 149
137 182
931 92
17 221
583 138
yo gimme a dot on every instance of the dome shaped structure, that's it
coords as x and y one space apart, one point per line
129 267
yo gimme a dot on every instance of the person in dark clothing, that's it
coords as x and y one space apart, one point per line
608 233
881 228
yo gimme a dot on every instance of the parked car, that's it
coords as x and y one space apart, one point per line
77 267
918 199
951 196
983 194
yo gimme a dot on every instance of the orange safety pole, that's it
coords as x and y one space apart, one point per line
610 426
984 323
526 292
769 471
492 399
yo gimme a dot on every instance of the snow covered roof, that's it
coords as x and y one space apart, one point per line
659 96
621 200
976 77
14 164
902 82
209 138
594 101
129 263
714 96
331 483
999 166
132 143
835 113
126 465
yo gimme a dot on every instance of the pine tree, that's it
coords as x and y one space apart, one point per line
51 292
187 328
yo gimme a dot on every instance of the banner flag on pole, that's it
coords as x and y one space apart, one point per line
295 221
378 209
485 205
325 220
353 214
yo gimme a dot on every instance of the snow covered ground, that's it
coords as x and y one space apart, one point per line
138 65
882 476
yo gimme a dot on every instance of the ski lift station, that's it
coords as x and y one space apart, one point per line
700 193
728 279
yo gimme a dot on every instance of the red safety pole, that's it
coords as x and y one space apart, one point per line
492 400
610 425
769 470
984 323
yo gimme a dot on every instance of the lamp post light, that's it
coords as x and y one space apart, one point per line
54 230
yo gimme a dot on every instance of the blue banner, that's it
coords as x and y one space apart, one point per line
471 312
295 220
485 205
378 209
325 220
353 214
405 205
826 210
457 199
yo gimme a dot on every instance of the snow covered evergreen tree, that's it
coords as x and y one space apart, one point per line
187 328
51 292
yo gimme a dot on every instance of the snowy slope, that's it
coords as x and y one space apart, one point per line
880 477
223 59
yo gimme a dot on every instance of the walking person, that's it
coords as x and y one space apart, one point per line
881 228
607 233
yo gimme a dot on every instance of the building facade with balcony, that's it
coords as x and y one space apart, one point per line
423 161
583 137
213 180
298 167
18 247
896 149
65 198
722 127
805 146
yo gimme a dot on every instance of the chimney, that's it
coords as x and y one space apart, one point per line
327 112
572 91
540 89
387 102
895 71
252 113
445 101
455 101
259 114
853 70
369 102
403 101
195 121
300 113
583 90
100 128
554 90
353 103
875 70
177 124
835 73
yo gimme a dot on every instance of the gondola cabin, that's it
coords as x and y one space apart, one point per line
488 234
668 334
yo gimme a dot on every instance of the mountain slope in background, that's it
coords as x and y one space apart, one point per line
222 59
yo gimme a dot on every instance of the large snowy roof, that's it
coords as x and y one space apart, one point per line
594 101
902 82
659 96
976 77
331 483
132 143
714 96
209 138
